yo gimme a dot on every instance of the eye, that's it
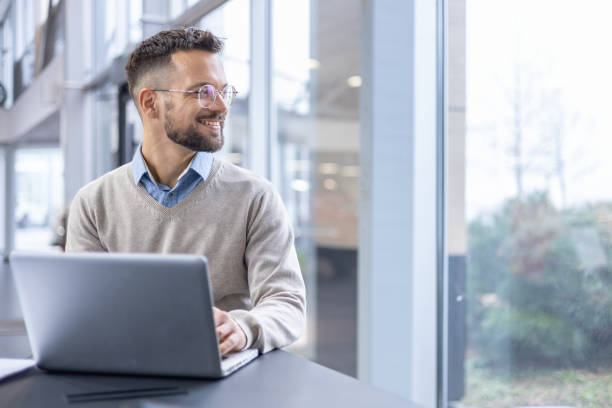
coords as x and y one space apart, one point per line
207 91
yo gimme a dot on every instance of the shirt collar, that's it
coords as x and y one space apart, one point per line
201 164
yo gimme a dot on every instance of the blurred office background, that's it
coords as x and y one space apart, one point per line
444 164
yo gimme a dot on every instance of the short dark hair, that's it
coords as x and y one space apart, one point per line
156 51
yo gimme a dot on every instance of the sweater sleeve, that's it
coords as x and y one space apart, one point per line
82 233
275 280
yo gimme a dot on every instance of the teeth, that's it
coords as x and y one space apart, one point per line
211 122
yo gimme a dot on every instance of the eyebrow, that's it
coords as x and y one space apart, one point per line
199 84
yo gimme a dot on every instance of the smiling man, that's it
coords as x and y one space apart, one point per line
176 197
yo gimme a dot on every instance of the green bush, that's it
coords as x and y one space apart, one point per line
533 297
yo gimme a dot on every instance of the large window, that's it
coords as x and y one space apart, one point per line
106 131
231 22
24 27
3 203
135 25
6 59
115 24
316 96
530 210
23 40
39 198
177 7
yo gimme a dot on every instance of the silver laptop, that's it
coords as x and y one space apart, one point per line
146 314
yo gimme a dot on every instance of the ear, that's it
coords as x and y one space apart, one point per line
149 103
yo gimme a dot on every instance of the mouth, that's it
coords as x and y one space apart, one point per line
212 124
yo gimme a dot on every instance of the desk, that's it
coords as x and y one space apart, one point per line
276 379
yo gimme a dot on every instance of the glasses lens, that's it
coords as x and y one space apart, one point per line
206 95
229 93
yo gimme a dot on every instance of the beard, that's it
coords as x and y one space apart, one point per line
193 138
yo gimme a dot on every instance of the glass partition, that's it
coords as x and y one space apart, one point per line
316 83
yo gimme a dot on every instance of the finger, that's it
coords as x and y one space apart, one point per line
219 316
216 314
224 330
225 346
229 344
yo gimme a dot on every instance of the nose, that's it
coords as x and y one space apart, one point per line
219 105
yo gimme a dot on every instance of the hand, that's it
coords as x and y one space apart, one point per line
231 337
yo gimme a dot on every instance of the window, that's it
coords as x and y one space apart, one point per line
25 27
316 96
6 60
231 22
39 197
135 12
24 31
106 135
115 22
530 230
177 7
2 202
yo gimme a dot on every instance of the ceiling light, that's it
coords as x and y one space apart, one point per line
350 171
354 81
328 168
298 165
299 185
330 184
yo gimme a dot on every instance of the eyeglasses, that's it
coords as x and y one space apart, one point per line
207 94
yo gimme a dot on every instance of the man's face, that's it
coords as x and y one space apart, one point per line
186 122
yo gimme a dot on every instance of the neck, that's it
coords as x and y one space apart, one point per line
166 160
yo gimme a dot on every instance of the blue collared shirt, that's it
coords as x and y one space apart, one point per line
198 170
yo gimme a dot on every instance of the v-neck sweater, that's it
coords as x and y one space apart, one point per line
234 218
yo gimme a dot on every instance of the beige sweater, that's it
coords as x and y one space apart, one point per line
234 218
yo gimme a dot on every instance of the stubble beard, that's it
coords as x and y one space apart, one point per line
194 139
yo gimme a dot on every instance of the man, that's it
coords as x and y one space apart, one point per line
175 197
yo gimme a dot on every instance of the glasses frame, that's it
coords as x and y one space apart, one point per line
227 89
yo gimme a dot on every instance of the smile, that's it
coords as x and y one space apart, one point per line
214 124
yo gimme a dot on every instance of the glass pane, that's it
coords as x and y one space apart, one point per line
106 120
177 7
19 19
530 213
3 51
316 51
43 11
112 29
39 188
2 202
135 11
231 22
6 57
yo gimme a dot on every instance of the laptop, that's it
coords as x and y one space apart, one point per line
142 314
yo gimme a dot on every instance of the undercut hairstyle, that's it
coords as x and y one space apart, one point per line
155 52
